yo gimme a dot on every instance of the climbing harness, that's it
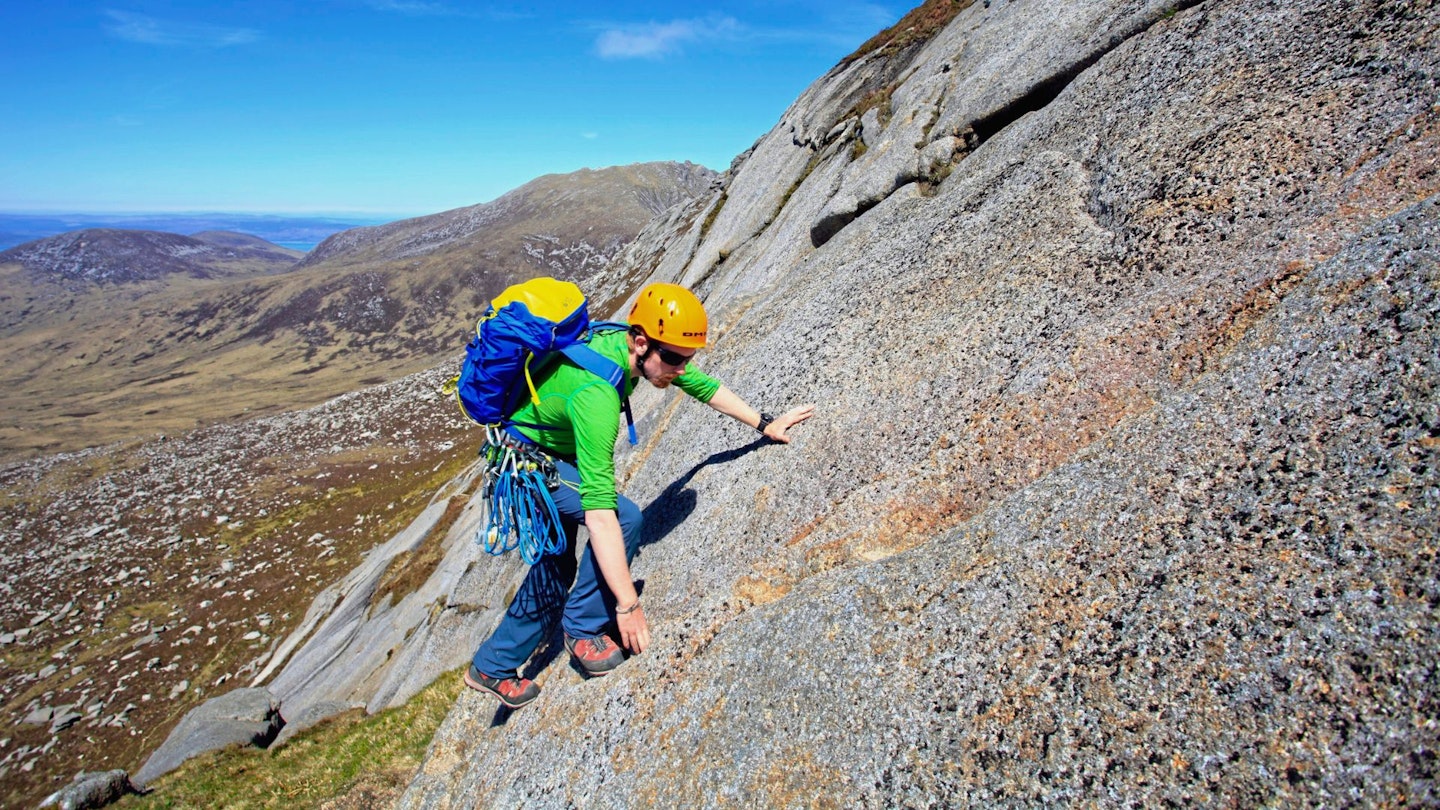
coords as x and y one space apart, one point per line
518 479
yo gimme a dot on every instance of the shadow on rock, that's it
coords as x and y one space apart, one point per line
667 511
671 507
502 716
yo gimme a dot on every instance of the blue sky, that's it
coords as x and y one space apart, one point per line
387 107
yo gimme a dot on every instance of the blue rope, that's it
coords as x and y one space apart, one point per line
522 511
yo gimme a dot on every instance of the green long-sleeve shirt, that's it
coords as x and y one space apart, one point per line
583 412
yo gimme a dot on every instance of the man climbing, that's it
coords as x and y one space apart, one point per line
581 414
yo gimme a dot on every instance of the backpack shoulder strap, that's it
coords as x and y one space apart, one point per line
606 369
598 364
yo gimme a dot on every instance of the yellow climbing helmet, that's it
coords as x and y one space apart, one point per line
671 313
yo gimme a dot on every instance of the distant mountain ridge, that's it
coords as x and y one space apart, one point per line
644 189
113 256
280 229
569 225
193 330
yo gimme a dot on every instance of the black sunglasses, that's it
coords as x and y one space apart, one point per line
673 358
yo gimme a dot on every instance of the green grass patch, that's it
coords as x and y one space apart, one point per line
714 212
351 760
411 569
879 100
799 181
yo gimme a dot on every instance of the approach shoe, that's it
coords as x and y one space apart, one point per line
513 692
597 655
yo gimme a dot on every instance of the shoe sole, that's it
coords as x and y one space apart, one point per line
480 687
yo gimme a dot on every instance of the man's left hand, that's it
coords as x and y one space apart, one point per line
777 430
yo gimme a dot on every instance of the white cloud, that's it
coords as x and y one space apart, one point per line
413 7
444 8
656 40
841 23
151 31
589 136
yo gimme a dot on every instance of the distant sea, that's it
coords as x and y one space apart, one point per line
297 232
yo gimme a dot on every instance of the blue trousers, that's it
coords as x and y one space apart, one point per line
584 609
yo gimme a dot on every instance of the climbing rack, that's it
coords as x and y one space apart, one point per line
522 514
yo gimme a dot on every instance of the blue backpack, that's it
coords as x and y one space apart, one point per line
529 324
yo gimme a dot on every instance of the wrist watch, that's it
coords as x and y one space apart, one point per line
765 420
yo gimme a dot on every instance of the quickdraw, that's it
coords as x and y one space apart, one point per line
518 478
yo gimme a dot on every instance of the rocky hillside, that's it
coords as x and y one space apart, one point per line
142 579
237 242
564 225
1121 318
182 349
106 256
151 575
640 191
288 231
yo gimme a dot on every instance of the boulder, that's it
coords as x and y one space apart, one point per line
310 716
241 717
91 790
65 717
39 716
